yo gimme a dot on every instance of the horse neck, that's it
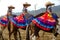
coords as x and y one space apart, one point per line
39 15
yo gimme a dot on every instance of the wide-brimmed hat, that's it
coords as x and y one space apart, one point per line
26 4
11 7
49 3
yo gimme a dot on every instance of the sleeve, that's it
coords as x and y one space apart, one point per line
55 16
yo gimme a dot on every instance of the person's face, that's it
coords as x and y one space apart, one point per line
49 9
8 14
25 10
10 9
25 6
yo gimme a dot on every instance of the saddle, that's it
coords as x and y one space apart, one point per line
4 20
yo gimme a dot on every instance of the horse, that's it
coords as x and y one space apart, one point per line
14 29
2 27
35 30
1 32
4 24
25 24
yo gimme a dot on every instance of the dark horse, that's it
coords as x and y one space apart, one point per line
35 30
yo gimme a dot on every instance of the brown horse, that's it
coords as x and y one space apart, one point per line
15 29
1 32
11 29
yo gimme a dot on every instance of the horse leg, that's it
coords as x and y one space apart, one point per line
27 33
19 34
1 36
1 32
36 34
32 37
53 37
31 30
9 33
9 30
15 33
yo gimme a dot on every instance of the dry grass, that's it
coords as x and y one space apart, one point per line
46 36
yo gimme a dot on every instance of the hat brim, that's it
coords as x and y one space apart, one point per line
50 4
11 7
26 5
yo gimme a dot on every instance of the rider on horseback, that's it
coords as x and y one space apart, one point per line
23 19
46 21
54 15
48 8
28 17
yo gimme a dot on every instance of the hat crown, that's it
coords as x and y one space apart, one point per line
49 3
11 7
26 4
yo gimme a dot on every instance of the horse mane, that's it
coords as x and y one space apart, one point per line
40 14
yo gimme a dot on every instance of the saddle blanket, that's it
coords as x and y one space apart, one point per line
45 22
4 21
22 20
